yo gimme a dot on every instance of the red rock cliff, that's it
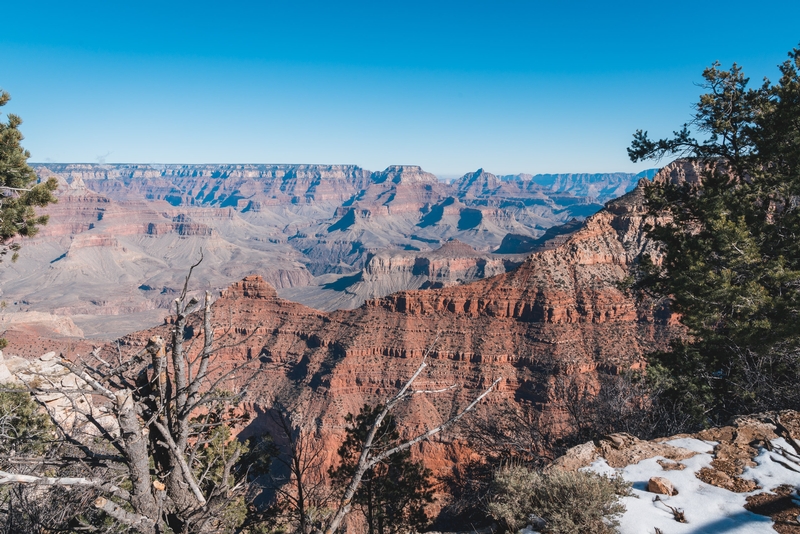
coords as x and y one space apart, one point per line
560 312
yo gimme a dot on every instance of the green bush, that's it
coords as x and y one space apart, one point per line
24 428
570 503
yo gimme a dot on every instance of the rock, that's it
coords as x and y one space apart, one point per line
121 237
41 323
618 441
721 479
619 450
667 465
661 485
58 389
577 457
560 311
386 272
5 374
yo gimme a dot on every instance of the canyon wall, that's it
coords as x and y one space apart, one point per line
561 312
122 237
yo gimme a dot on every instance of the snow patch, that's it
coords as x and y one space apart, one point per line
707 508
696 445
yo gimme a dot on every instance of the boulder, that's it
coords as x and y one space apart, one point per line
661 485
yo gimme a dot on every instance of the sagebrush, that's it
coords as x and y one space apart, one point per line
569 502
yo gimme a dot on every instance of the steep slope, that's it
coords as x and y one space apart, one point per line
560 312
122 236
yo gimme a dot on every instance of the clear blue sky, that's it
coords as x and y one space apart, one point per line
452 86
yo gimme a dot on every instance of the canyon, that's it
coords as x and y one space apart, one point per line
121 237
551 306
560 313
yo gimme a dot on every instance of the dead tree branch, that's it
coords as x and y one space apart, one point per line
366 460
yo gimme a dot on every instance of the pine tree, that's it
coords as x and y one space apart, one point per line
19 192
731 248
393 494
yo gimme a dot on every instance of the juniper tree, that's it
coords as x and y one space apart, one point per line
730 247
167 461
19 191
393 494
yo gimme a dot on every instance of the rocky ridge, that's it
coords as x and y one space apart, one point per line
559 313
387 272
121 237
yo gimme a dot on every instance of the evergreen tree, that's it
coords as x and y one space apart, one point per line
393 494
24 430
730 262
19 192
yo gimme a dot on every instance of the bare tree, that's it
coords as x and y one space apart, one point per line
574 394
305 492
370 458
170 441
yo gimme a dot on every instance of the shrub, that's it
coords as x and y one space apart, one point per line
570 503
24 429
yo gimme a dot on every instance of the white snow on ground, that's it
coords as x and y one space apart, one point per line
708 509
770 473
696 445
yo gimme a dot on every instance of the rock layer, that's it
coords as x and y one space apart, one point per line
122 237
560 312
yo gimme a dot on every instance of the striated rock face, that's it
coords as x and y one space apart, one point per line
405 174
552 238
560 312
250 287
330 204
573 283
180 228
387 272
584 184
112 267
477 183
221 185
121 237
681 171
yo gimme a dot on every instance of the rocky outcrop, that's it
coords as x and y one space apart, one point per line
552 238
43 324
219 185
560 312
62 393
738 478
122 236
583 184
454 262
681 171
387 272
573 283
404 174
477 184
181 225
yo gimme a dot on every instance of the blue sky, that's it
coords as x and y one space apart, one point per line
452 86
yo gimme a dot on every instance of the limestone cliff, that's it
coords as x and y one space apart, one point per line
560 312
122 236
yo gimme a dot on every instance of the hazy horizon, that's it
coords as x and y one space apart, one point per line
444 177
